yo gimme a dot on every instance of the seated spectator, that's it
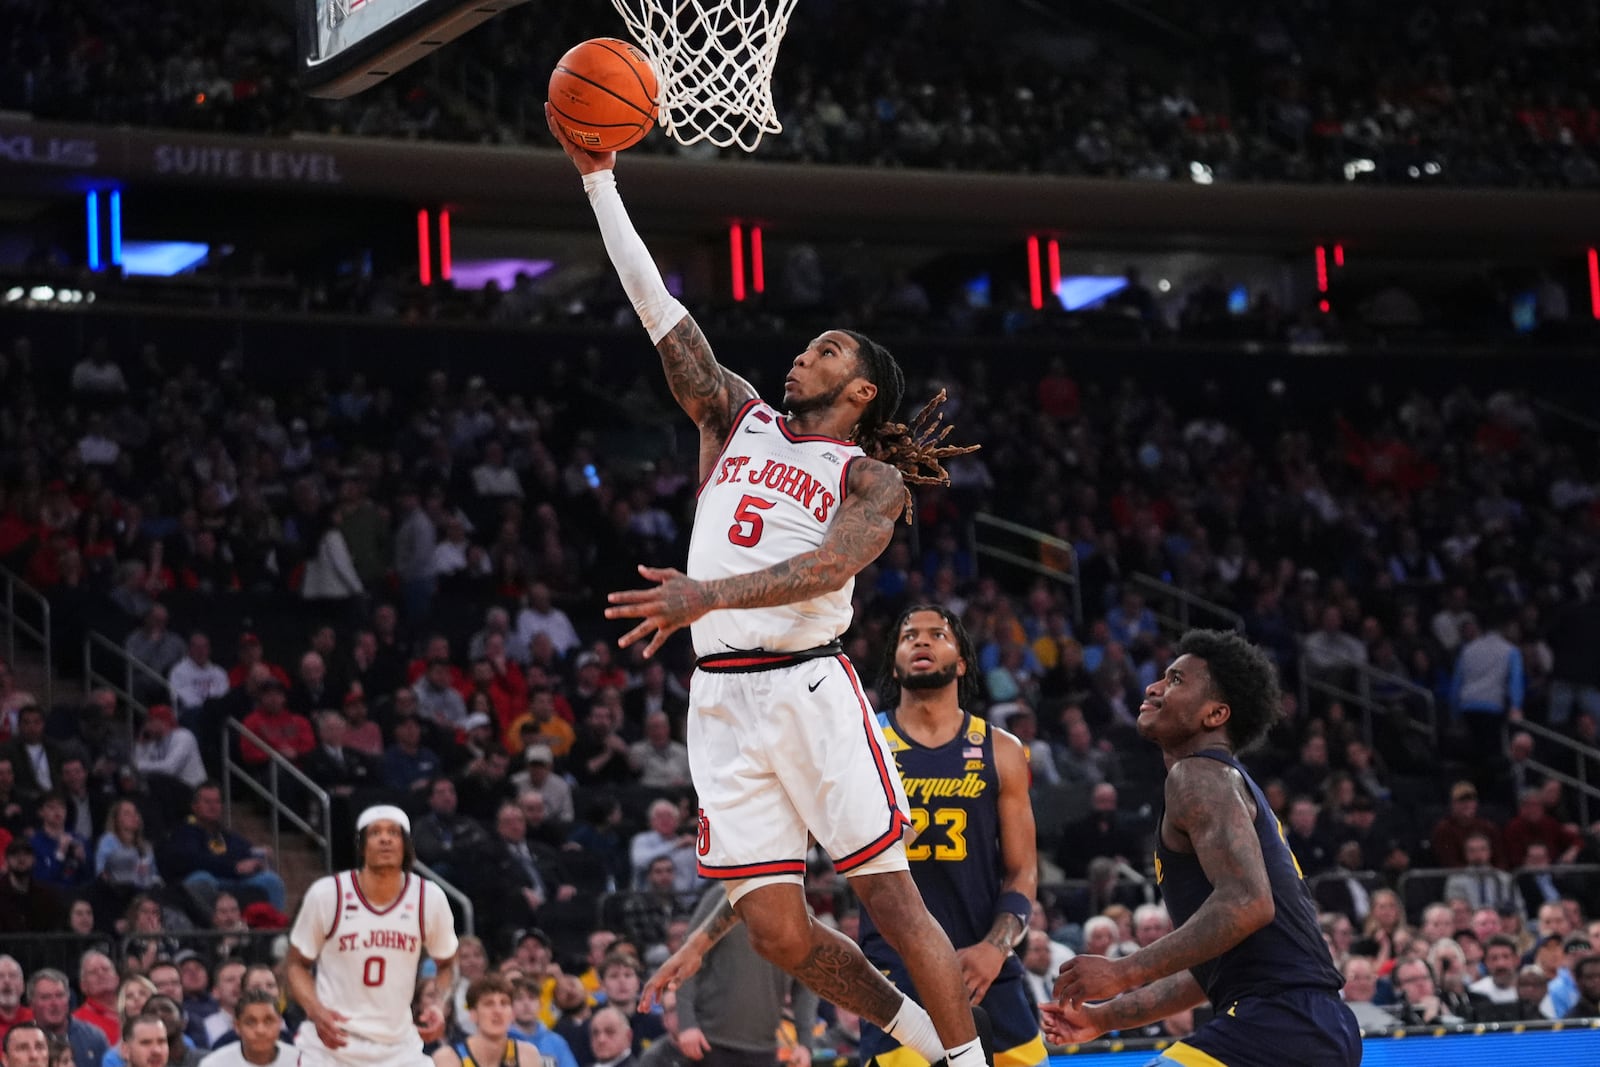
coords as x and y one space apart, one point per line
539 776
1105 888
1360 985
576 1011
1384 929
541 830
485 785
61 858
438 700
1420 1001
251 654
1100 833
124 862
1554 957
153 645
518 878
167 752
336 766
1022 722
361 733
1479 883
528 1024
1081 760
208 858
311 690
599 756
194 975
227 919
665 837
12 1010
1502 960
1540 888
194 679
259 1029
1462 821
407 766
1310 773
98 983
1533 824
35 758
49 995
446 841
1341 889
599 833
148 946
661 762
540 616
619 988
281 730
655 692
1310 845
1587 974
1533 992
549 729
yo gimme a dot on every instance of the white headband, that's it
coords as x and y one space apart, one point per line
384 811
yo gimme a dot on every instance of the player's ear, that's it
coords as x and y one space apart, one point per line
1217 716
864 391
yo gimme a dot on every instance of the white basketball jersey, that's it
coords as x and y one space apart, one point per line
771 495
367 958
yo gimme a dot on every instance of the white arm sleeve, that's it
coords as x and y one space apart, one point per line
658 309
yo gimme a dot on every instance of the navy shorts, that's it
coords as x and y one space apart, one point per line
1017 1041
1311 1027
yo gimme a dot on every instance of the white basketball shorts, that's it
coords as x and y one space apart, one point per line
781 750
357 1052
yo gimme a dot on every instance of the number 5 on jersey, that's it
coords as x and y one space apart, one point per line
747 525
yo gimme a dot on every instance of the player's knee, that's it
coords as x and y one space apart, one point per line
895 905
781 940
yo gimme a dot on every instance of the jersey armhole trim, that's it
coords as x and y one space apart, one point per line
733 428
338 908
844 478
422 910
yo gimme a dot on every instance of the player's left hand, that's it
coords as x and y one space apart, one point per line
670 606
1086 978
800 1056
430 1025
980 964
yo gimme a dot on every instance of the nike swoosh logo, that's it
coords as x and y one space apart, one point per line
813 686
751 429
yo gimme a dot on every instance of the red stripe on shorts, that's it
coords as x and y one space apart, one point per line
897 818
752 870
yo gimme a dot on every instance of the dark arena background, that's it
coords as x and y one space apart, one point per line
1278 317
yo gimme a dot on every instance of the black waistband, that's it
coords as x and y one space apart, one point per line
757 660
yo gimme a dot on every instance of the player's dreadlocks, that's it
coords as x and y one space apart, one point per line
915 450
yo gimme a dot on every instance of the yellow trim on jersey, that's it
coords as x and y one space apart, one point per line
1190 1056
896 742
1028 1054
1025 1055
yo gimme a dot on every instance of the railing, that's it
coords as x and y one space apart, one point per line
457 897
1175 608
1034 564
1364 675
1568 875
277 766
124 673
1580 783
16 589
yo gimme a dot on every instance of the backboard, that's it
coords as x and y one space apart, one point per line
346 46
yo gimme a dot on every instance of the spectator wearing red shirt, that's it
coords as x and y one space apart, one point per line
274 723
250 654
12 1010
438 647
1461 822
1533 824
98 982
506 690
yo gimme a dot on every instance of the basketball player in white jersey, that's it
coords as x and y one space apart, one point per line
782 740
365 931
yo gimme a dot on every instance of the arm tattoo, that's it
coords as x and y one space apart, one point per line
836 971
1204 802
1006 932
1152 1003
718 923
698 382
861 530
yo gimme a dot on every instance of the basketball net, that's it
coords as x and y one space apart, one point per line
714 60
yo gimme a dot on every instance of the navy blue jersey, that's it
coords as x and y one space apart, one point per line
954 791
1288 953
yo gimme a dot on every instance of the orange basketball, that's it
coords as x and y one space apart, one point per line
604 94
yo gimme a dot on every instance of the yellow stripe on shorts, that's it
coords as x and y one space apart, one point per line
1026 1054
1190 1056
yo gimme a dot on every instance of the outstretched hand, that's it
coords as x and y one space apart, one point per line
670 606
586 161
1067 1024
679 967
1086 978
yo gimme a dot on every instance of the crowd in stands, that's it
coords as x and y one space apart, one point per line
398 593
1484 94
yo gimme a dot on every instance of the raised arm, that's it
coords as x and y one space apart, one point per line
683 964
861 530
707 391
